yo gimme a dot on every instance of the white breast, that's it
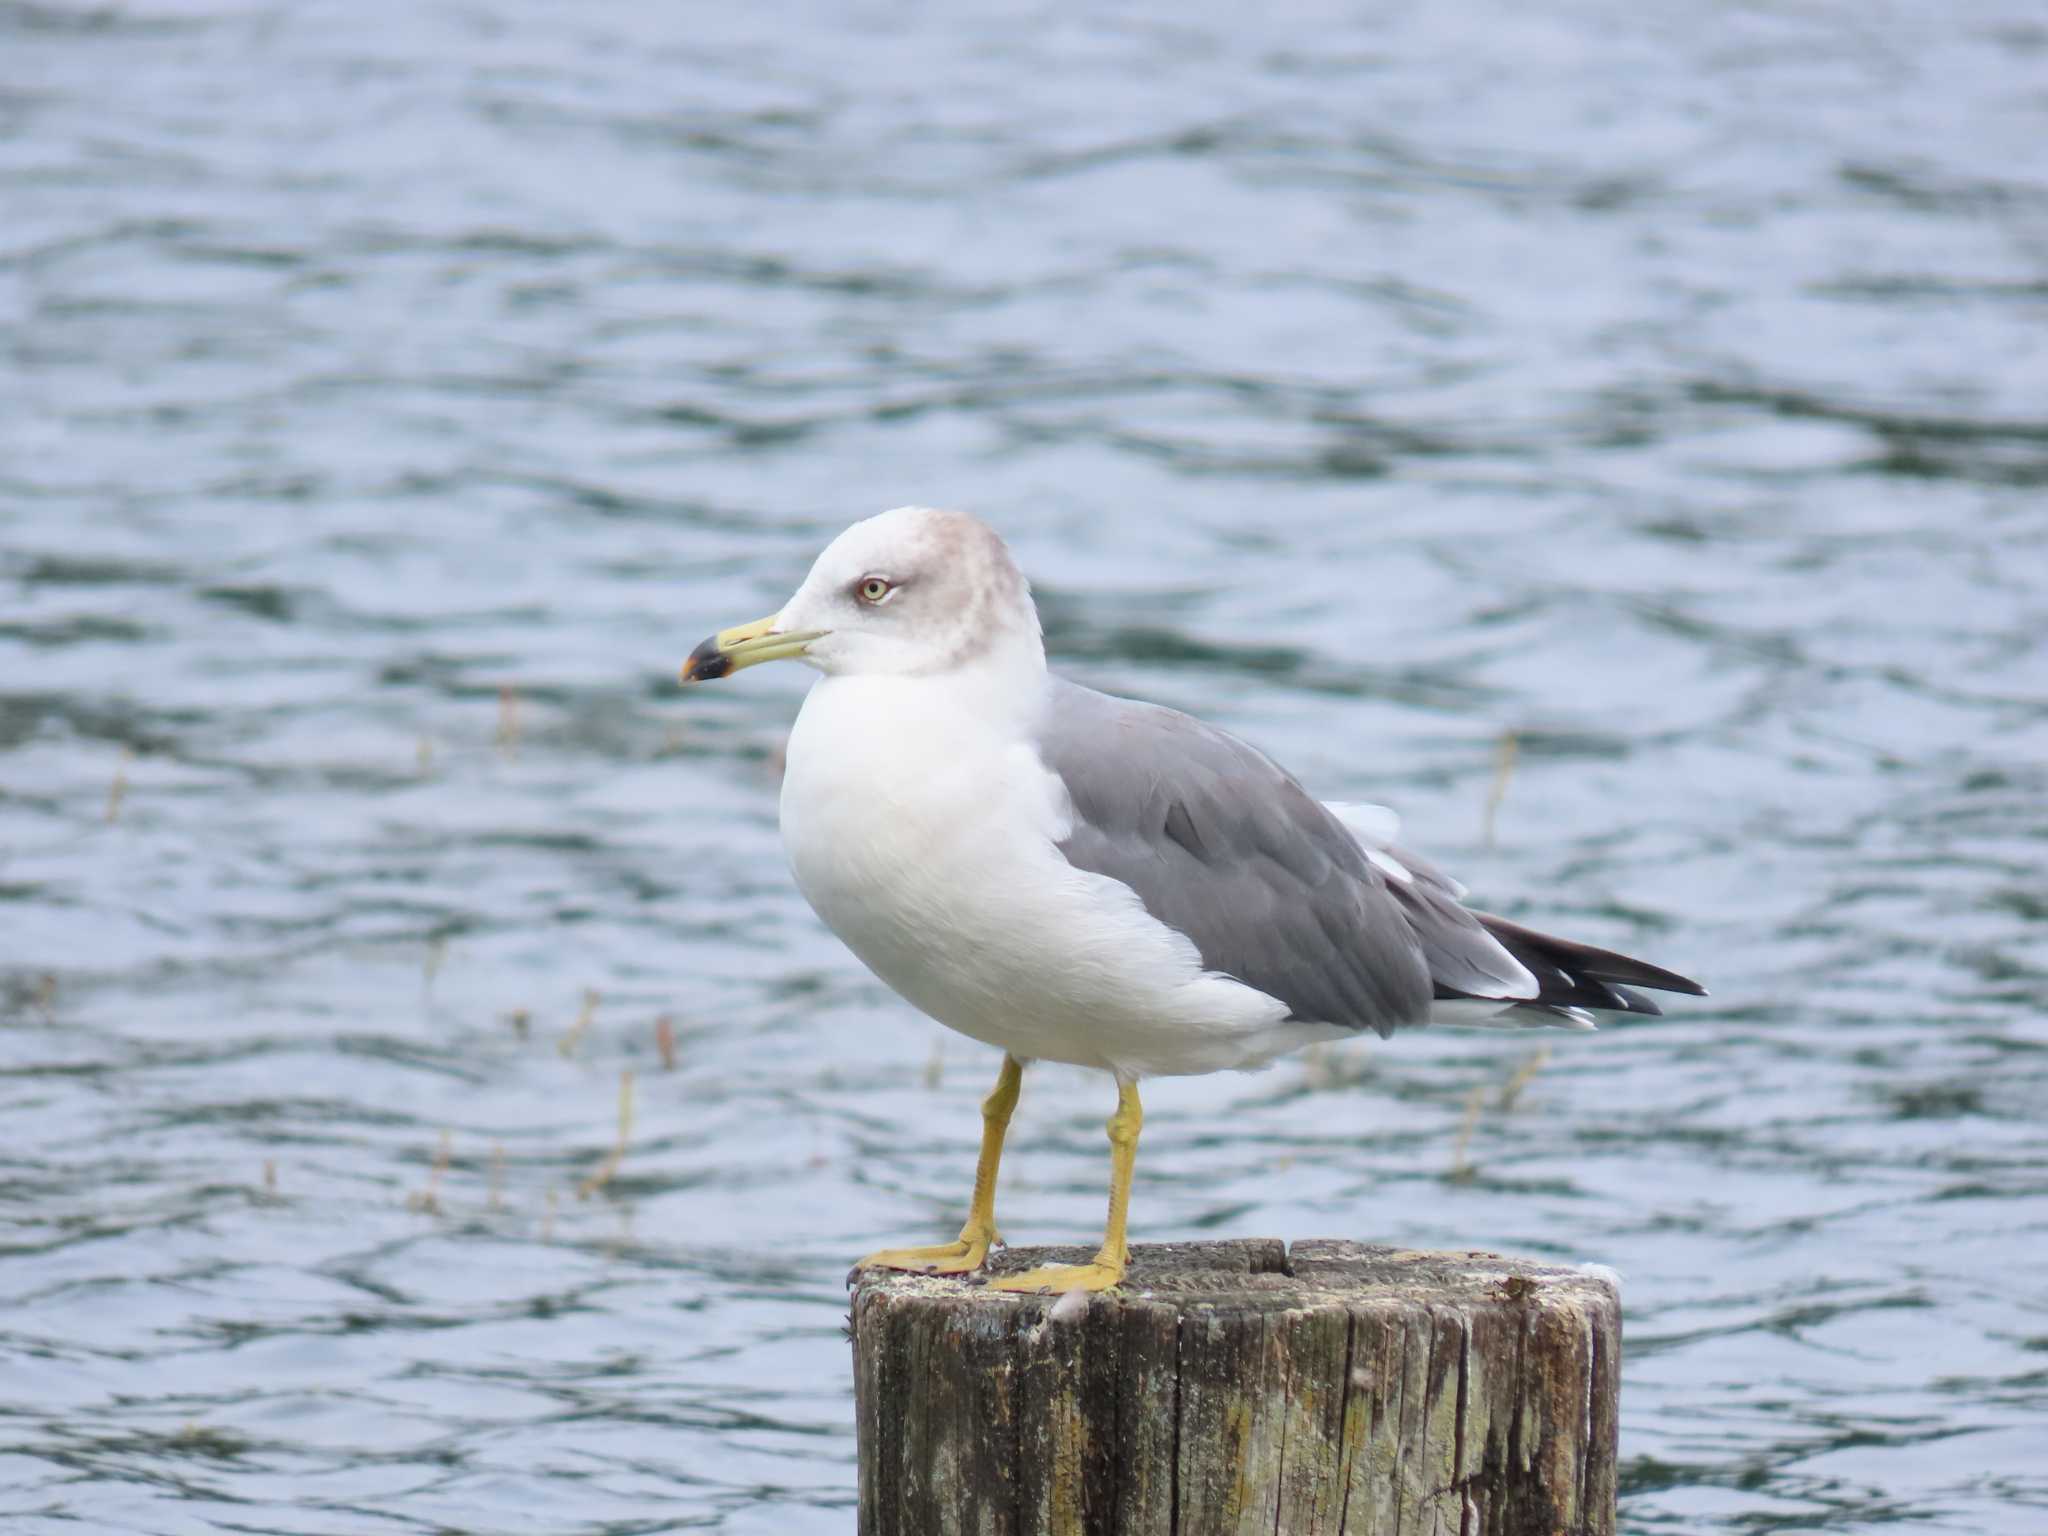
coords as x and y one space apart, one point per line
923 829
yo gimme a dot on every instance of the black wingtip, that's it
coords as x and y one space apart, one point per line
1672 982
1628 1000
1570 970
1605 965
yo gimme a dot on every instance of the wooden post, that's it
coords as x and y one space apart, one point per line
1338 1390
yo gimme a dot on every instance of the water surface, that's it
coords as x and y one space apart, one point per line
392 396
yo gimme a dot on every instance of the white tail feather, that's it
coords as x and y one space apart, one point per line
1487 1013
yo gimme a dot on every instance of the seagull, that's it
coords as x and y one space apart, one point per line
1069 876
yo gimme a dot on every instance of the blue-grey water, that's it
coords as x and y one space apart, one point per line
390 396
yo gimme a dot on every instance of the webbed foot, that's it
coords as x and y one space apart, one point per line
1058 1279
969 1253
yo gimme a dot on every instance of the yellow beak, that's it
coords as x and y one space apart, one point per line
744 645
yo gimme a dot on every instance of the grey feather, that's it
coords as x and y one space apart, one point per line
1222 844
1464 959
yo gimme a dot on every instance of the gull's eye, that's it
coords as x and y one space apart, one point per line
872 589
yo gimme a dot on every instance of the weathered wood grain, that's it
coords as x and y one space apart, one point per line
1335 1390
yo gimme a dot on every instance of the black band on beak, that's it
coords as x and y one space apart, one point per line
706 663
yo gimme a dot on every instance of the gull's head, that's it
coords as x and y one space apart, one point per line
911 593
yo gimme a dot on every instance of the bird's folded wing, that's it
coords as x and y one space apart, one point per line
1273 889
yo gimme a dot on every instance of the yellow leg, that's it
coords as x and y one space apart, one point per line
971 1251
1107 1269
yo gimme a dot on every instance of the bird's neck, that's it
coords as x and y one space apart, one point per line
1001 691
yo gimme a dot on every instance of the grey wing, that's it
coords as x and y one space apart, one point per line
1224 845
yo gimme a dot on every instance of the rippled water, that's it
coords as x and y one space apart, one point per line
392 396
